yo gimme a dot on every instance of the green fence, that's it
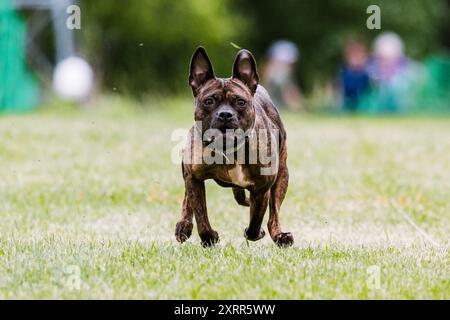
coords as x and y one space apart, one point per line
19 91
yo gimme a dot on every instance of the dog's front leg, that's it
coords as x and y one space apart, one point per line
259 201
183 229
196 198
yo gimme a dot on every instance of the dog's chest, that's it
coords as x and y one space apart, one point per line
237 176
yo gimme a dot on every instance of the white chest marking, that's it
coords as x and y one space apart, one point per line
238 177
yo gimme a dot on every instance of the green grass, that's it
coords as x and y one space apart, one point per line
97 191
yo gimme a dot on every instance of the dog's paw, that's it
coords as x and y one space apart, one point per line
183 230
254 237
284 239
209 238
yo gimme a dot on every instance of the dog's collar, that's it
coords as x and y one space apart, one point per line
232 150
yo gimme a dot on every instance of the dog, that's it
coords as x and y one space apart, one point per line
231 104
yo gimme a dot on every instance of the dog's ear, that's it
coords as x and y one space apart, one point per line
244 69
201 70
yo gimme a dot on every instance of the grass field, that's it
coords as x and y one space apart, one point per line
89 202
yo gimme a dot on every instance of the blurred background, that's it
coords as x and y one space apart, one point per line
313 56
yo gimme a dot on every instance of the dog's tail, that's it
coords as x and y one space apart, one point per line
239 195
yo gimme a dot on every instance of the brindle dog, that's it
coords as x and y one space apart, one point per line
238 102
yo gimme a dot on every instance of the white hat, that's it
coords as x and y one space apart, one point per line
284 51
388 45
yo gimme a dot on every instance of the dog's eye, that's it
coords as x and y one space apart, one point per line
208 102
241 102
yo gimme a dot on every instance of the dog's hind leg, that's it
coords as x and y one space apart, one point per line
277 194
239 196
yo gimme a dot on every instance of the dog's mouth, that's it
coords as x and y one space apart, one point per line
226 128
226 143
218 135
226 140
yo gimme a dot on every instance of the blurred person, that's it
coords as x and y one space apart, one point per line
278 75
391 72
354 74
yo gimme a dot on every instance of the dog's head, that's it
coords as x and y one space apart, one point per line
224 104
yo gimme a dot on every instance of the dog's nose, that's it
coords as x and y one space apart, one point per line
225 115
